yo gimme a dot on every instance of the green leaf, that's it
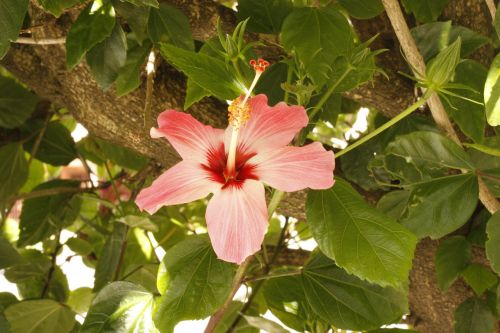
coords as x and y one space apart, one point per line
318 36
36 176
121 307
362 9
13 170
432 38
106 58
442 205
473 316
16 103
484 148
137 19
198 283
129 76
347 302
41 316
57 146
79 299
479 277
286 300
469 116
92 26
425 10
168 24
265 324
452 257
394 203
142 222
57 7
152 3
270 82
79 246
492 93
429 150
8 254
98 151
109 258
497 21
41 217
208 72
11 19
266 16
233 311
358 237
441 69
493 243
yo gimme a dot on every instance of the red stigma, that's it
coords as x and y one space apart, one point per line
260 65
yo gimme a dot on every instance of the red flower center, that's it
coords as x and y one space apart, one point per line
217 160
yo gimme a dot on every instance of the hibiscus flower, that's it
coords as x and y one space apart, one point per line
234 165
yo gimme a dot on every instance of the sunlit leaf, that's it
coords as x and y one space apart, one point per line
492 93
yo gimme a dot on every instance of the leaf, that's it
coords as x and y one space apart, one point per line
473 316
106 58
41 217
41 316
208 72
479 277
270 83
442 205
233 311
92 26
57 146
198 283
266 16
16 103
265 324
318 36
142 222
492 93
8 254
429 150
358 237
13 170
425 10
137 19
467 115
129 76
57 7
79 299
497 21
99 151
152 3
11 19
394 203
168 24
79 246
109 259
347 302
488 165
363 9
286 300
440 70
484 148
431 38
493 243
452 257
121 307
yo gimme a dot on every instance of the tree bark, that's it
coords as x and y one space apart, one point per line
120 119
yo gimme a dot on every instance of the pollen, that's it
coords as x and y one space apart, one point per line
259 65
238 112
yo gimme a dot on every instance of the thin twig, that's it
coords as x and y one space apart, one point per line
238 279
52 268
44 41
439 114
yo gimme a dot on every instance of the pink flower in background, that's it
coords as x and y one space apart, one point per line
237 215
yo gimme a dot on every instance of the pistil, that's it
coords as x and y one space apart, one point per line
239 113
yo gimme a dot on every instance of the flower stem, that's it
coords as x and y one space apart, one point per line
275 200
329 92
388 124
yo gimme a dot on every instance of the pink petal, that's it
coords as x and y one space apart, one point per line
184 182
295 168
237 220
269 127
191 139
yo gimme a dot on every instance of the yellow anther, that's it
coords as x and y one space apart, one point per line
238 113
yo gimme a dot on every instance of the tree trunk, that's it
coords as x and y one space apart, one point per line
120 119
